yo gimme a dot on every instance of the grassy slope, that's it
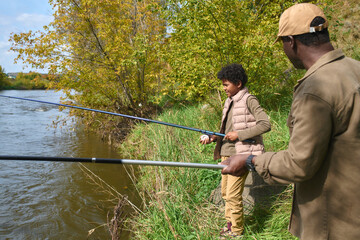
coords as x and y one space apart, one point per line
178 206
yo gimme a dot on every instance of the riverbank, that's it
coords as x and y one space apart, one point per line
26 81
177 204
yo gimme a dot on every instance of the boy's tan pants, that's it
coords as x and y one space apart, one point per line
231 190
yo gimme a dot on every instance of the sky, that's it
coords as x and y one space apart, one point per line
18 16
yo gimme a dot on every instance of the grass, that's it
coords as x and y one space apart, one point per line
271 223
176 200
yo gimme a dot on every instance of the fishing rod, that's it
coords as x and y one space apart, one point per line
114 161
127 116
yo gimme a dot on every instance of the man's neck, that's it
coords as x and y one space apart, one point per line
310 55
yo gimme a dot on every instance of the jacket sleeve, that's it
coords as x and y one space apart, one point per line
262 121
311 123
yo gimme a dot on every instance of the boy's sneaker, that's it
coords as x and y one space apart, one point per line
231 235
225 229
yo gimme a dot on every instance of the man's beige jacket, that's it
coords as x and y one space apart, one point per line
323 156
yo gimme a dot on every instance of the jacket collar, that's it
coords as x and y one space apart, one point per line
239 95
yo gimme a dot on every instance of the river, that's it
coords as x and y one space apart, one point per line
53 200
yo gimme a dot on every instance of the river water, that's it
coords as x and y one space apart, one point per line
52 200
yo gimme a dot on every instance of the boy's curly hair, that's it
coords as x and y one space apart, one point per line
234 73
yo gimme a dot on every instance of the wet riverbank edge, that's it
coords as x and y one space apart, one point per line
176 201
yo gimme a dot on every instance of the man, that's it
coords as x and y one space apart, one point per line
323 156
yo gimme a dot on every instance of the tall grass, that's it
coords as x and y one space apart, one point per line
176 200
270 223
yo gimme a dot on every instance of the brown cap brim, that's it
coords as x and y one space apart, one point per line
276 40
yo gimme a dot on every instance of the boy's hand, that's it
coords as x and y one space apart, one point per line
205 139
232 136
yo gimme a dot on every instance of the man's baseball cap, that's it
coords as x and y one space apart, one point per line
296 20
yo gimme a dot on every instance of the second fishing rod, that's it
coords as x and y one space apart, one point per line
127 116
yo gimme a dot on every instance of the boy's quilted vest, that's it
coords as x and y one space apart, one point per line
241 119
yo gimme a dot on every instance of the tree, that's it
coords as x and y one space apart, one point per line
206 35
104 50
3 77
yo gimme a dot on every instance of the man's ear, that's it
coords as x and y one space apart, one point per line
292 42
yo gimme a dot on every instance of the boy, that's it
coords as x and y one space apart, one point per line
242 119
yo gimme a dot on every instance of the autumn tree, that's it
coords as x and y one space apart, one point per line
104 50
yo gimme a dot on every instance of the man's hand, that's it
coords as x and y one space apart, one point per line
232 136
236 165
